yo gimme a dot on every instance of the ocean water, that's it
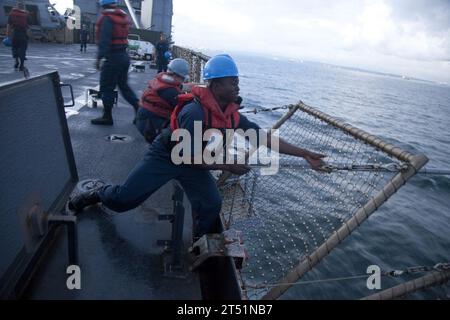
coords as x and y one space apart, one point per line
413 227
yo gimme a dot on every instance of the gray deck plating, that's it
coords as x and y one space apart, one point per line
119 258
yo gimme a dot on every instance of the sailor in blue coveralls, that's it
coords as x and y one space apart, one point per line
16 30
112 37
160 99
213 106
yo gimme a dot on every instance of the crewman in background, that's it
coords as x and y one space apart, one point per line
162 53
16 30
84 38
160 99
112 36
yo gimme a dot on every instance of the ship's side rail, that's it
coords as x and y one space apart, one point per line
196 60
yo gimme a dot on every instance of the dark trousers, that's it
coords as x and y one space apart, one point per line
83 46
153 172
149 124
115 73
162 65
19 49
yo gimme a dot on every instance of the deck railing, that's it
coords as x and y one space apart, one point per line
196 60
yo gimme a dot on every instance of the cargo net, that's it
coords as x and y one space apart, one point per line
285 217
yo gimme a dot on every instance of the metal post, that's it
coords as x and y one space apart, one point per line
173 265
177 227
72 234
72 242
132 14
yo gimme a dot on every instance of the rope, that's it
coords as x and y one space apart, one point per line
263 286
390 167
255 111
435 172
420 269
393 273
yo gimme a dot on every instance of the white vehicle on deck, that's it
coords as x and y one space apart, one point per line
140 49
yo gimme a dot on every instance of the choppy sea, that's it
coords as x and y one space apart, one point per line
413 227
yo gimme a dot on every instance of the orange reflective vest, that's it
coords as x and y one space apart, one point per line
215 118
152 101
19 18
121 26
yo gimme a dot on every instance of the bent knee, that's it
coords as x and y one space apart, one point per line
119 199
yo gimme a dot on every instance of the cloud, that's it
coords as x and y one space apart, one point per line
62 5
388 30
392 36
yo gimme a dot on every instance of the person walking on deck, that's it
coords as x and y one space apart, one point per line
84 38
206 107
161 50
16 30
112 35
160 99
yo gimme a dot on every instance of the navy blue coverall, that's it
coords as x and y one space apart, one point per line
19 42
161 61
84 35
148 123
156 169
115 68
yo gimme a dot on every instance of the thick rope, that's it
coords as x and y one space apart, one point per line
440 267
390 167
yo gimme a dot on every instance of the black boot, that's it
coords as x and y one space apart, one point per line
16 65
106 119
83 200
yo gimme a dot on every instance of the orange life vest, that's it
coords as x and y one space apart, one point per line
214 116
19 18
120 29
152 101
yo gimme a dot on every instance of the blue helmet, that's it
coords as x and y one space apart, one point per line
106 2
7 42
168 55
220 66
179 67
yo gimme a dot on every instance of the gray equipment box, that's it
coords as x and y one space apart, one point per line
37 174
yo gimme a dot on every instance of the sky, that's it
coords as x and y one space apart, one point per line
405 37
62 5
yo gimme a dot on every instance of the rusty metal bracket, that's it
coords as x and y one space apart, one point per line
36 224
226 244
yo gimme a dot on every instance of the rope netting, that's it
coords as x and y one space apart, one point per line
288 219
195 59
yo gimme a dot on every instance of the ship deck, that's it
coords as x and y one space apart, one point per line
118 254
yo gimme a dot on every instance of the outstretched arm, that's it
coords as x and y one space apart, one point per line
284 147
314 159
